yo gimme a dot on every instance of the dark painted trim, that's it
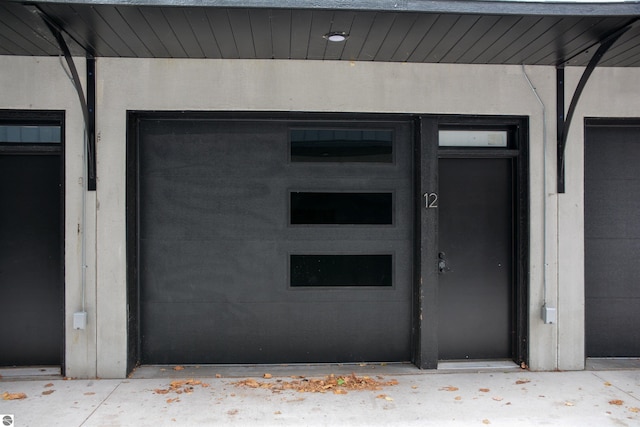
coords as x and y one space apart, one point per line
612 121
238 116
46 117
521 344
425 246
434 6
477 153
518 128
133 291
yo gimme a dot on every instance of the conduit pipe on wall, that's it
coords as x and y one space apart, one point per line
88 157
80 318
548 312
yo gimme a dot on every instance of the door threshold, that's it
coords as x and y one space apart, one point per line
611 363
478 365
27 372
276 370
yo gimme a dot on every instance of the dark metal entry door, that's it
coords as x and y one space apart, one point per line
476 253
31 332
248 255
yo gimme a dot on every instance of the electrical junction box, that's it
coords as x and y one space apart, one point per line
549 314
80 320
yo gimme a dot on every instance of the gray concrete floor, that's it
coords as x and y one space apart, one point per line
460 396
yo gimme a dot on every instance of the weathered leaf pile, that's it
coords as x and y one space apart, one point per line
181 386
331 383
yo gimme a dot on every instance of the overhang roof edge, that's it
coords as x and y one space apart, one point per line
495 7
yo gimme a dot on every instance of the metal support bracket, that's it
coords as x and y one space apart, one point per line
88 104
565 123
91 123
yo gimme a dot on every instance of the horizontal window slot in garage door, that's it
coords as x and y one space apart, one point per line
341 208
341 270
342 145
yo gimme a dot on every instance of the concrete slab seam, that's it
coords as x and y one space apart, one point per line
618 388
100 405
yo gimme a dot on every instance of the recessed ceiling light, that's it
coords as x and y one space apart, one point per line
336 36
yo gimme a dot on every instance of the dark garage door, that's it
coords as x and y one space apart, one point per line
274 241
612 239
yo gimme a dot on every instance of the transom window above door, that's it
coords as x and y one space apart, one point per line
342 145
473 138
30 134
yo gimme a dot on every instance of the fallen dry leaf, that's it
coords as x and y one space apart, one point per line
339 391
232 412
616 402
634 409
178 368
47 392
414 387
569 403
497 398
13 396
277 413
523 381
484 390
218 376
89 393
267 376
486 421
607 384
449 388
457 398
48 385
175 399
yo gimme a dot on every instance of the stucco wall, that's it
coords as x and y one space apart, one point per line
170 84
43 84
268 85
610 92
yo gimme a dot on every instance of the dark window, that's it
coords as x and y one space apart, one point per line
341 145
341 208
30 134
341 270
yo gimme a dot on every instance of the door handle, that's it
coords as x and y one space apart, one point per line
442 263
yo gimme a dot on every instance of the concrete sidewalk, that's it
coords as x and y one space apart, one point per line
423 398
